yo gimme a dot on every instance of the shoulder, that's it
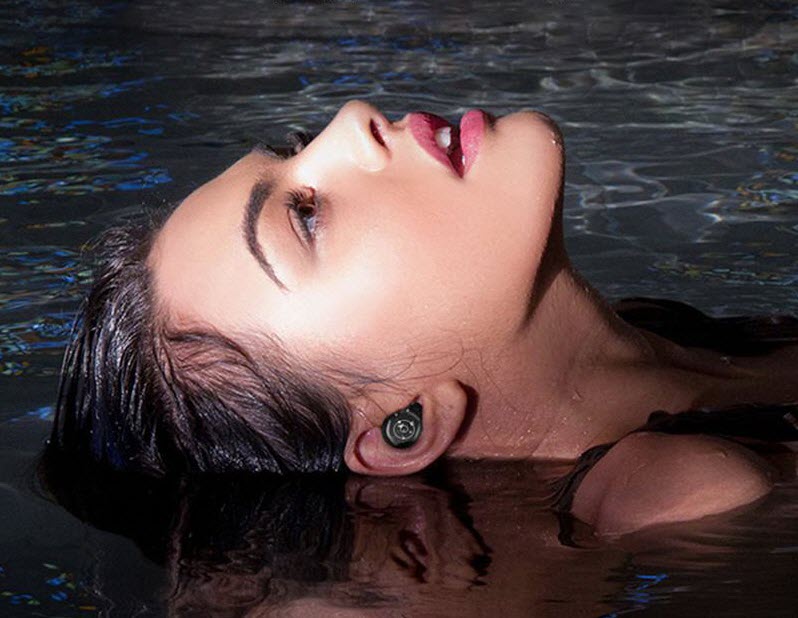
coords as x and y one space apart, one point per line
652 478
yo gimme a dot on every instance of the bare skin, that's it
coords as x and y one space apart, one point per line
459 289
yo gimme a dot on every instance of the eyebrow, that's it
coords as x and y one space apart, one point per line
258 196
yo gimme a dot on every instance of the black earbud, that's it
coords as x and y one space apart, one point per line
403 428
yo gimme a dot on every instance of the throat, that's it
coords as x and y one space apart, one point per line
577 376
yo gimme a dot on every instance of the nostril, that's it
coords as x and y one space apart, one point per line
375 131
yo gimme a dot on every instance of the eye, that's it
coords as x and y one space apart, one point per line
304 208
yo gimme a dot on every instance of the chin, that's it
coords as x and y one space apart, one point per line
539 123
526 152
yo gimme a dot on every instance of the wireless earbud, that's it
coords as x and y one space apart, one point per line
403 428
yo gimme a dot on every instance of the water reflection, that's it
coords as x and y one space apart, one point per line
426 545
453 542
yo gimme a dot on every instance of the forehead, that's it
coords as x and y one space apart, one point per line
201 268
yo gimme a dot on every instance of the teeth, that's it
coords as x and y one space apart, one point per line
462 160
443 137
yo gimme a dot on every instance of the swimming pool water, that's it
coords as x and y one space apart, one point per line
680 122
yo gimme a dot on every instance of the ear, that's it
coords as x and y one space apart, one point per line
443 411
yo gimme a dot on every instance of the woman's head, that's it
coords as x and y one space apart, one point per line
385 263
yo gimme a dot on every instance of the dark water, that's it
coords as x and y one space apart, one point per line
680 121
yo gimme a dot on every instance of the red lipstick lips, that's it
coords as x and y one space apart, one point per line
472 129
455 147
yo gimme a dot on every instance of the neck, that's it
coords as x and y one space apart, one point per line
576 375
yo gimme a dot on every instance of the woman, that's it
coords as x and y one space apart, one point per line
292 310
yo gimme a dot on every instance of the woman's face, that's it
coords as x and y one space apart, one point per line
408 259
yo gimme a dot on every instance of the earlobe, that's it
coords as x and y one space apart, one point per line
443 407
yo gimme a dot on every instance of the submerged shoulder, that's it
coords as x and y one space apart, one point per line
653 478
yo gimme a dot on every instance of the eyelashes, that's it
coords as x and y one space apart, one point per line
294 143
303 204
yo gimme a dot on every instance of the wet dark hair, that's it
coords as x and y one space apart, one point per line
138 394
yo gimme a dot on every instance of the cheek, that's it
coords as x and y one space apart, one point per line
408 283
355 300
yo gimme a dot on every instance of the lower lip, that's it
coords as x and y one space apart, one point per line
472 129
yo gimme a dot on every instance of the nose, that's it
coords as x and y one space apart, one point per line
358 133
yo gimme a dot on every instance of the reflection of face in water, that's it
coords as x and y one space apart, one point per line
410 532
453 542
369 543
237 545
